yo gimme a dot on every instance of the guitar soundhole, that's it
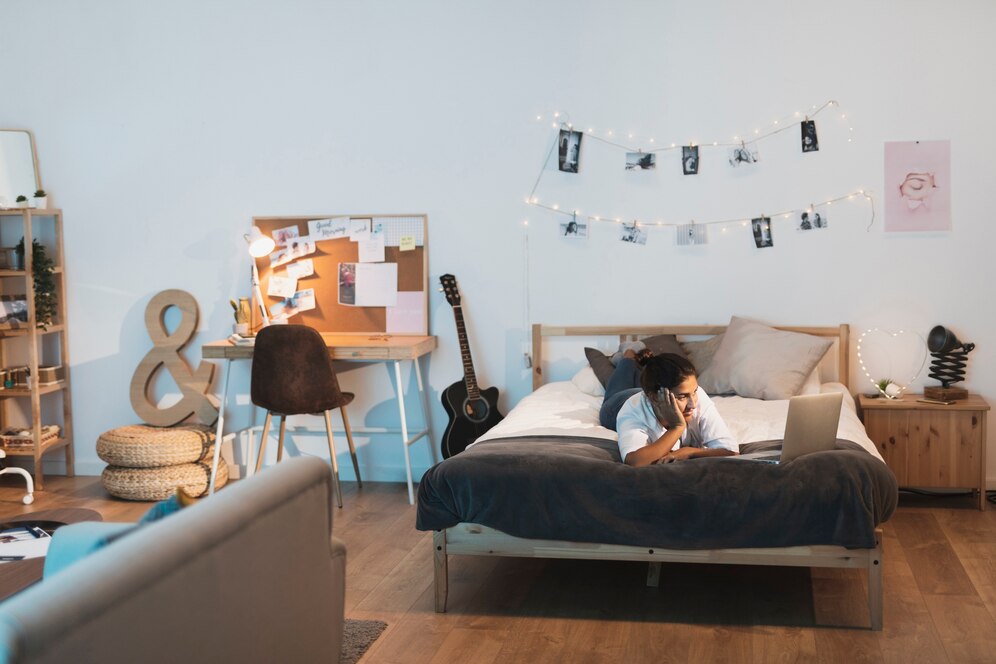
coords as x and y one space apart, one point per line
476 410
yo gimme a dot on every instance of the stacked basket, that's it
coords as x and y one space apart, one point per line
150 463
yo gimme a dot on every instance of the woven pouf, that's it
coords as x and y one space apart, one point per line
143 446
161 483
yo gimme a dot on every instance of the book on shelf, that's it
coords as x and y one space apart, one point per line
19 437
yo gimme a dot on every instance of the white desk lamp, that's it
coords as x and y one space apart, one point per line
259 245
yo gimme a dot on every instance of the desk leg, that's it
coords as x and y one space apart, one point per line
404 428
220 430
425 412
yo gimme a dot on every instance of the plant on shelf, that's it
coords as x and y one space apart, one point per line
43 271
22 201
41 199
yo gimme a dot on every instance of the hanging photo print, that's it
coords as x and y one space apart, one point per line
918 186
633 234
643 161
690 234
811 220
690 160
762 232
570 150
810 143
574 229
742 155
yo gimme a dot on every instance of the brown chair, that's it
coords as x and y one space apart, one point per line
292 374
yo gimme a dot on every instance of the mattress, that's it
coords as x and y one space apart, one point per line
549 471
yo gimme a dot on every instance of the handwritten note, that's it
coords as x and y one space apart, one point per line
329 229
359 229
301 269
407 243
376 284
281 287
372 250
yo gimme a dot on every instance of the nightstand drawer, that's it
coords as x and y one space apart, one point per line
930 446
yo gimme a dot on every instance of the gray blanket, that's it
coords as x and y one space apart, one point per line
577 489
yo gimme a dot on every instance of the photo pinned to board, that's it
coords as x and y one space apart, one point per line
368 284
690 160
574 229
570 150
810 142
297 247
761 226
633 234
283 236
743 155
688 234
643 161
811 220
347 283
303 300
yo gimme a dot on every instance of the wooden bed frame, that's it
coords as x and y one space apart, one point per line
477 540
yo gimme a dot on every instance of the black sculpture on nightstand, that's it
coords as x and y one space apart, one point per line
948 365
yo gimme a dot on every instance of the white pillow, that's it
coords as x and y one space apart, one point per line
586 381
812 384
760 362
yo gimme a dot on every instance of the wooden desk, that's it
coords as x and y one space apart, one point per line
347 347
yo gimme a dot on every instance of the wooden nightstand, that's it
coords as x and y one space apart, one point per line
929 445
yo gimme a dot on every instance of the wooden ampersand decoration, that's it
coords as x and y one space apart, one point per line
166 351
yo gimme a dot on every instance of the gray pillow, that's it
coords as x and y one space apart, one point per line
600 364
701 352
760 362
665 343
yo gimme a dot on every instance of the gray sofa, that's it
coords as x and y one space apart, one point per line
251 574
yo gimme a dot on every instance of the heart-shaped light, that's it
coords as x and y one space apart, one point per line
897 356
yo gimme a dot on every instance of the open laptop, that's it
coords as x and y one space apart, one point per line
811 426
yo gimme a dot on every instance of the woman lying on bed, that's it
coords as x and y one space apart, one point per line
661 414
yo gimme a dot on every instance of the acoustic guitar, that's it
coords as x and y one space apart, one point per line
472 411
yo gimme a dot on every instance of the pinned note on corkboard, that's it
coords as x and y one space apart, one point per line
347 274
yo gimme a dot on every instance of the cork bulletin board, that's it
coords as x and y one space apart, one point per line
329 273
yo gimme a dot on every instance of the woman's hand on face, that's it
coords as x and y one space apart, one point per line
666 409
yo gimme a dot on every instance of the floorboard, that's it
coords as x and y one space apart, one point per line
939 570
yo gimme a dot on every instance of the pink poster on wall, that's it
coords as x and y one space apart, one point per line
918 186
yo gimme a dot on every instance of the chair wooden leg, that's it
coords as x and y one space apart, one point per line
262 441
280 438
352 448
335 464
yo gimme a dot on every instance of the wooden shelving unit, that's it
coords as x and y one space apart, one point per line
36 346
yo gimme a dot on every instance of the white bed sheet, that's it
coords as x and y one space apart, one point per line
561 409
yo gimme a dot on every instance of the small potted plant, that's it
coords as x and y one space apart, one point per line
41 199
241 312
43 271
22 201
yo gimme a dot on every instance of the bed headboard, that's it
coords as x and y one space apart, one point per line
835 364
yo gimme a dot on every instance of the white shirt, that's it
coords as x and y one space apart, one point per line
638 426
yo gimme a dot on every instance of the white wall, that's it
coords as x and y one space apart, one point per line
163 128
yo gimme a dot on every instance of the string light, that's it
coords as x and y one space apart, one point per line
779 125
784 214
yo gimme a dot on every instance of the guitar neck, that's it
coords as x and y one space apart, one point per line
469 377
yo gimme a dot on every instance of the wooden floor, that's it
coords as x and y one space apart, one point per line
940 594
